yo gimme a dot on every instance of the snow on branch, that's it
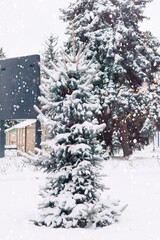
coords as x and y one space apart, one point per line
54 66
37 109
91 60
70 60
84 51
46 70
64 62
79 52
100 127
90 80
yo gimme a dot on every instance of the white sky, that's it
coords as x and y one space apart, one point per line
24 24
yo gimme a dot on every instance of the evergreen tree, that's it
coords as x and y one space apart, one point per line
2 54
49 54
128 59
72 161
10 123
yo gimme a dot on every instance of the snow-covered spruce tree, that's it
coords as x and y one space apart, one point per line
49 52
71 196
129 58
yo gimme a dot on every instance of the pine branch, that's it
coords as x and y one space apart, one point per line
124 208
37 109
90 80
28 158
100 127
43 100
46 70
65 75
85 49
64 62
44 80
66 55
54 66
79 52
32 154
43 90
92 60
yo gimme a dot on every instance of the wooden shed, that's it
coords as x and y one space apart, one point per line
22 136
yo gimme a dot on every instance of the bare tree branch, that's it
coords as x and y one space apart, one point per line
79 52
66 55
63 61
74 50
85 49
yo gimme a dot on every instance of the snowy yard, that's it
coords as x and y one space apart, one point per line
105 83
135 182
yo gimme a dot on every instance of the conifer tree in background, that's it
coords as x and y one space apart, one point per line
128 59
72 161
2 54
49 53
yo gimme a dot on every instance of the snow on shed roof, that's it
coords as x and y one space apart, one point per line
23 124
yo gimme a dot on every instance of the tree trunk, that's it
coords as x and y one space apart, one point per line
124 139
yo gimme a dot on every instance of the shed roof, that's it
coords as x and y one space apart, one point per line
22 124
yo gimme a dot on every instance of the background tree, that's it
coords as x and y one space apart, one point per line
72 192
2 54
128 59
49 53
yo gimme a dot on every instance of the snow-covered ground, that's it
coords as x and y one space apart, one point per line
135 182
